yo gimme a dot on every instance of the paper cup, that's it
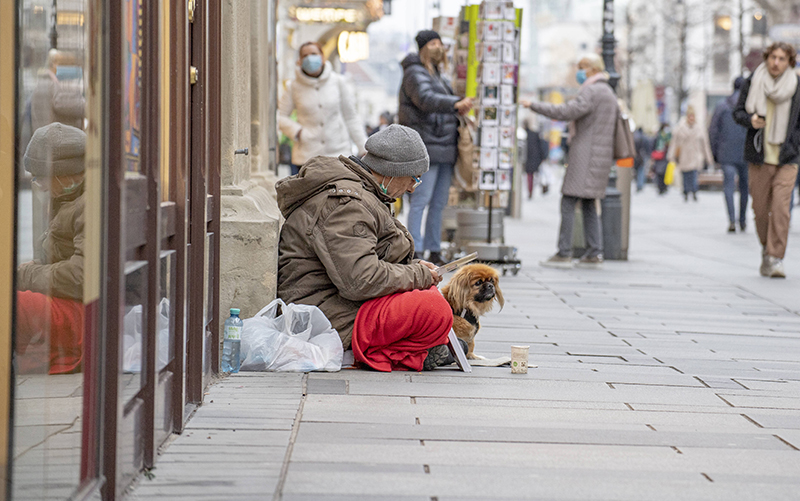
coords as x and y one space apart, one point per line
519 359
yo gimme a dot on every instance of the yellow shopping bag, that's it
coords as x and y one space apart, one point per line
669 175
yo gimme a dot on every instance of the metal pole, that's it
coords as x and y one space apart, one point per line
609 43
53 31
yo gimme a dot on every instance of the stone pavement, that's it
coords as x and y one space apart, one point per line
674 375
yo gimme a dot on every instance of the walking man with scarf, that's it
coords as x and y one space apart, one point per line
769 105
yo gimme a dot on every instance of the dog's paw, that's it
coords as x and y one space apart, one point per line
473 356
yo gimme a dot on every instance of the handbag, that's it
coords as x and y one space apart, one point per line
624 145
465 174
669 175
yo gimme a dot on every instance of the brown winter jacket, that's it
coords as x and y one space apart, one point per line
58 272
340 244
591 151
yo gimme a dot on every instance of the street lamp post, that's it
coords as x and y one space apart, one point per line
616 204
53 30
609 43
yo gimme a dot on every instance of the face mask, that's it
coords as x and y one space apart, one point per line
312 63
437 54
385 189
580 76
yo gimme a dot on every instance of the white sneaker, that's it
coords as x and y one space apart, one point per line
557 261
765 264
776 268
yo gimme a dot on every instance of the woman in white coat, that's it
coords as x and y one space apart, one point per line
327 121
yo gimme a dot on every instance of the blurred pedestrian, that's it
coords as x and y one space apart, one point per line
690 151
659 156
641 158
327 120
384 121
537 150
594 112
727 145
428 105
769 106
53 100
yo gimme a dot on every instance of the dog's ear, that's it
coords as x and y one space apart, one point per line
498 294
460 292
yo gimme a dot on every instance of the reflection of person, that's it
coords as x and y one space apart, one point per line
326 114
591 152
642 144
690 151
54 101
727 145
50 288
428 105
769 105
342 250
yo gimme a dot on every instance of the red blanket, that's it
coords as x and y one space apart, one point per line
394 332
49 334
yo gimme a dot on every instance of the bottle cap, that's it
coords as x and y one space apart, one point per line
234 311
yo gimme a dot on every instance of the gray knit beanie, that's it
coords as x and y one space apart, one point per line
56 150
397 151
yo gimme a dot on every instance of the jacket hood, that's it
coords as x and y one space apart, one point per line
318 175
410 60
301 77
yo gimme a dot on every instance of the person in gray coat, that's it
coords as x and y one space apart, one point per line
594 114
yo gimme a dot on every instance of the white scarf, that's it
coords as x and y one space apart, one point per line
778 90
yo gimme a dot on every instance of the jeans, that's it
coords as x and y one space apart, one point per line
431 193
591 226
641 172
690 182
729 173
295 169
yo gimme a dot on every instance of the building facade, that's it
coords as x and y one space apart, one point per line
138 151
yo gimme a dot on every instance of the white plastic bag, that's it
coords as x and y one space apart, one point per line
132 338
300 339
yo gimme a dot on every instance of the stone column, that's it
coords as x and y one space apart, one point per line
250 216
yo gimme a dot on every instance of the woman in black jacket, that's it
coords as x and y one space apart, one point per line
428 105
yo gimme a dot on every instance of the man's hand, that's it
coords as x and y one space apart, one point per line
524 103
432 267
758 122
464 106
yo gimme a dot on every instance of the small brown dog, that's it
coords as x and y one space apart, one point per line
471 293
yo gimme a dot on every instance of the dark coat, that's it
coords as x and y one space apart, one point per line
725 135
427 105
536 152
790 150
643 147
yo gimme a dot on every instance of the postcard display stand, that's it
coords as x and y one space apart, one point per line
487 69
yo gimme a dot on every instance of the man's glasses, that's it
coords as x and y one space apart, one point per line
417 181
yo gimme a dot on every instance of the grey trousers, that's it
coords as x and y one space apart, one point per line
591 226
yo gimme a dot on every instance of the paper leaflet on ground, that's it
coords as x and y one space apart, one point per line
458 352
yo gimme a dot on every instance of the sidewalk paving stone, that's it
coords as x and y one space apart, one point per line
674 375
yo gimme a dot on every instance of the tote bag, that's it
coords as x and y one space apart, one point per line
624 146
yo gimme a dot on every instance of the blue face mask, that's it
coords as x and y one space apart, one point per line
580 76
312 63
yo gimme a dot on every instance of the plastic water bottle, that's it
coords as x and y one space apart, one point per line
232 342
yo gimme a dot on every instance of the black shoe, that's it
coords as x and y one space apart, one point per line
742 226
685 197
732 228
694 195
436 258
545 189
418 255
440 355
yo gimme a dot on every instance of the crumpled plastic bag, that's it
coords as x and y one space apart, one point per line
300 339
132 338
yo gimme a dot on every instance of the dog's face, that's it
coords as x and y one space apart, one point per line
474 287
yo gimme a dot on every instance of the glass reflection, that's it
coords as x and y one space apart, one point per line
49 330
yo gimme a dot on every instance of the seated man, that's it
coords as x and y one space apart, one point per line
341 249
50 313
